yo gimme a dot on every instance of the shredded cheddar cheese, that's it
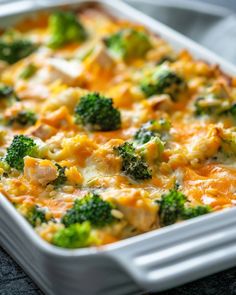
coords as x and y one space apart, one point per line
120 122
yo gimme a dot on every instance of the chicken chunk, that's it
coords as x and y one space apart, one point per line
137 208
43 131
204 145
104 158
39 171
59 118
68 98
69 72
101 58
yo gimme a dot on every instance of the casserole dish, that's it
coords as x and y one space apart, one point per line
154 261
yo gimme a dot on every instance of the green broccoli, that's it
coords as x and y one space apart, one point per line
36 216
75 236
23 118
216 107
128 44
28 71
228 141
192 212
162 81
8 93
133 164
214 100
97 113
91 208
164 59
151 129
232 110
212 105
64 27
151 134
61 178
172 208
20 147
201 108
144 135
13 51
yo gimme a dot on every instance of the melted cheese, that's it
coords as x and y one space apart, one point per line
53 93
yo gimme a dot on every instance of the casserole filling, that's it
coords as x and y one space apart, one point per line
106 132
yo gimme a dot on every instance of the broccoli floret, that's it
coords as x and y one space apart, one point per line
36 216
133 164
201 108
64 27
13 51
75 236
192 212
128 44
162 81
215 100
61 178
91 208
151 129
228 141
23 118
7 93
172 208
165 59
28 71
212 105
96 112
151 151
20 147
144 135
148 140
232 110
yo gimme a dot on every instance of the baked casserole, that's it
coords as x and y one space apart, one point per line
107 132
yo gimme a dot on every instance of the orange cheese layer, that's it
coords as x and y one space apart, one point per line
192 155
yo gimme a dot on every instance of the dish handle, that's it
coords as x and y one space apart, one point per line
181 253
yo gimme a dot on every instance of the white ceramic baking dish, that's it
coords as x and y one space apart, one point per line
154 261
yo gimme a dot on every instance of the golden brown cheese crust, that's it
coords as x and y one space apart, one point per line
190 156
